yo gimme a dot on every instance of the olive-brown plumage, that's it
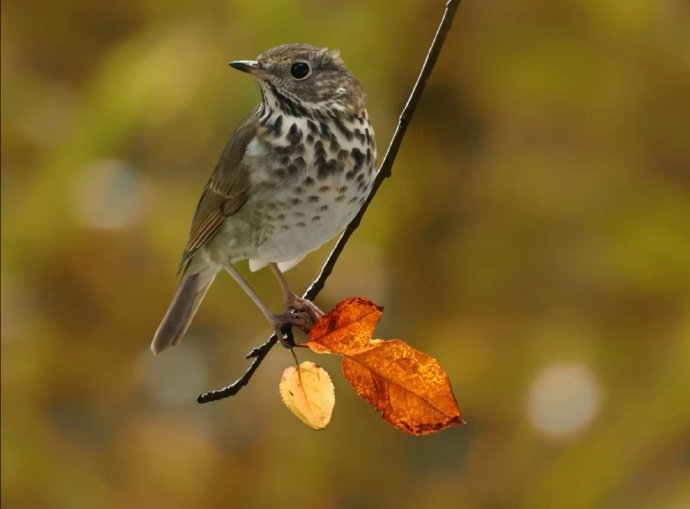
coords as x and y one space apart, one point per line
292 176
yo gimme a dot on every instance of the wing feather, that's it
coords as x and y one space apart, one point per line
225 193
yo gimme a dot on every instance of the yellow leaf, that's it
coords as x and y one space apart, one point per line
308 393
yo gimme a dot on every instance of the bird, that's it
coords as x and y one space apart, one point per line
292 176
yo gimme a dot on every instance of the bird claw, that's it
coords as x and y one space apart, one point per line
295 318
308 307
300 313
291 318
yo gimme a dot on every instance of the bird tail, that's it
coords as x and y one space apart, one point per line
190 293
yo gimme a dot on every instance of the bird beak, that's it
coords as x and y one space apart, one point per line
249 66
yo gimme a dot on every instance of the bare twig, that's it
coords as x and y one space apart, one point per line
259 353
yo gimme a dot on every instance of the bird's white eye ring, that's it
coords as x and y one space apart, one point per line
300 70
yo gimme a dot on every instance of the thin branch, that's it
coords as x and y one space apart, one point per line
385 170
257 353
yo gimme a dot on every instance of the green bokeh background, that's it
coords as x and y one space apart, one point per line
538 214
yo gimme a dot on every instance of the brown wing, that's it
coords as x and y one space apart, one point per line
225 192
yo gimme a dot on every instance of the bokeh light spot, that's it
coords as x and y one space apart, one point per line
110 194
564 399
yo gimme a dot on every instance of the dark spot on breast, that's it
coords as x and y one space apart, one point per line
327 168
284 227
301 224
358 156
324 189
342 128
323 208
342 155
313 199
278 173
352 200
283 149
368 155
315 219
294 135
319 151
295 201
325 133
292 169
309 181
280 217
360 135
297 213
313 128
299 190
334 146
284 160
340 198
310 138
324 167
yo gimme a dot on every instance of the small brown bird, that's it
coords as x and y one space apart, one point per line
292 176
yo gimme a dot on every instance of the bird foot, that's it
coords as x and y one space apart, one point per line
300 313
305 306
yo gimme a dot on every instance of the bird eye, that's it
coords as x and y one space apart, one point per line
300 70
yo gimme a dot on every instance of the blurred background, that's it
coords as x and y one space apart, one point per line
534 238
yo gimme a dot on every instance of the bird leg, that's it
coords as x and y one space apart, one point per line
291 301
299 318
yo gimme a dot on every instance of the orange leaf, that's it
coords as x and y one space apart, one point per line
346 328
408 387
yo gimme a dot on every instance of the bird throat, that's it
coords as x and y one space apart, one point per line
323 137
